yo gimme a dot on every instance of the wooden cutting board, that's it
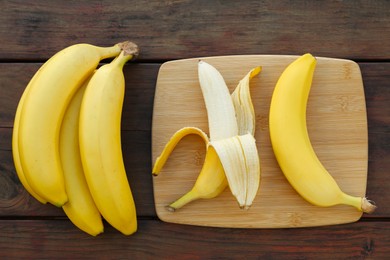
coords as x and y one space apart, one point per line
337 125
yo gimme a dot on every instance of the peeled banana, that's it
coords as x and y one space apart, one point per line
231 154
291 144
41 112
100 144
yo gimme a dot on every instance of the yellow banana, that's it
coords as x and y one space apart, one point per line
170 146
100 144
15 148
80 208
231 126
291 143
41 115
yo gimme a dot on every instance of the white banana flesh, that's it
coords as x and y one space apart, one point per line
237 153
220 109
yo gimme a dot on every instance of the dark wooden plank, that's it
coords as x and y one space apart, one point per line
377 94
187 28
59 239
13 80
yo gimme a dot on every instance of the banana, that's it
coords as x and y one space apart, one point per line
291 143
80 208
15 148
41 115
231 153
238 153
100 144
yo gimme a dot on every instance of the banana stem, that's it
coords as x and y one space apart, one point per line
121 60
185 199
108 52
368 206
129 49
362 204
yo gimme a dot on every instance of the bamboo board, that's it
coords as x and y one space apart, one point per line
337 125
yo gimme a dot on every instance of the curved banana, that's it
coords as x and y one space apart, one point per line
291 143
41 115
15 148
80 208
231 125
100 144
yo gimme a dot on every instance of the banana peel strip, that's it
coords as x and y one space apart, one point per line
241 164
174 140
242 101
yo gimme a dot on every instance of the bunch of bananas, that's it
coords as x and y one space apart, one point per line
66 137
231 152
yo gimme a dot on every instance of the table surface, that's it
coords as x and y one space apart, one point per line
168 30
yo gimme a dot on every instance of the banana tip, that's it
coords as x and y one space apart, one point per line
368 206
170 209
244 207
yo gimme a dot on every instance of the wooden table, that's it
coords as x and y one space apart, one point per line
32 31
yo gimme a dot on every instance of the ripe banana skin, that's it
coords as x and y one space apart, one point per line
211 180
41 115
15 148
291 143
80 208
100 145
